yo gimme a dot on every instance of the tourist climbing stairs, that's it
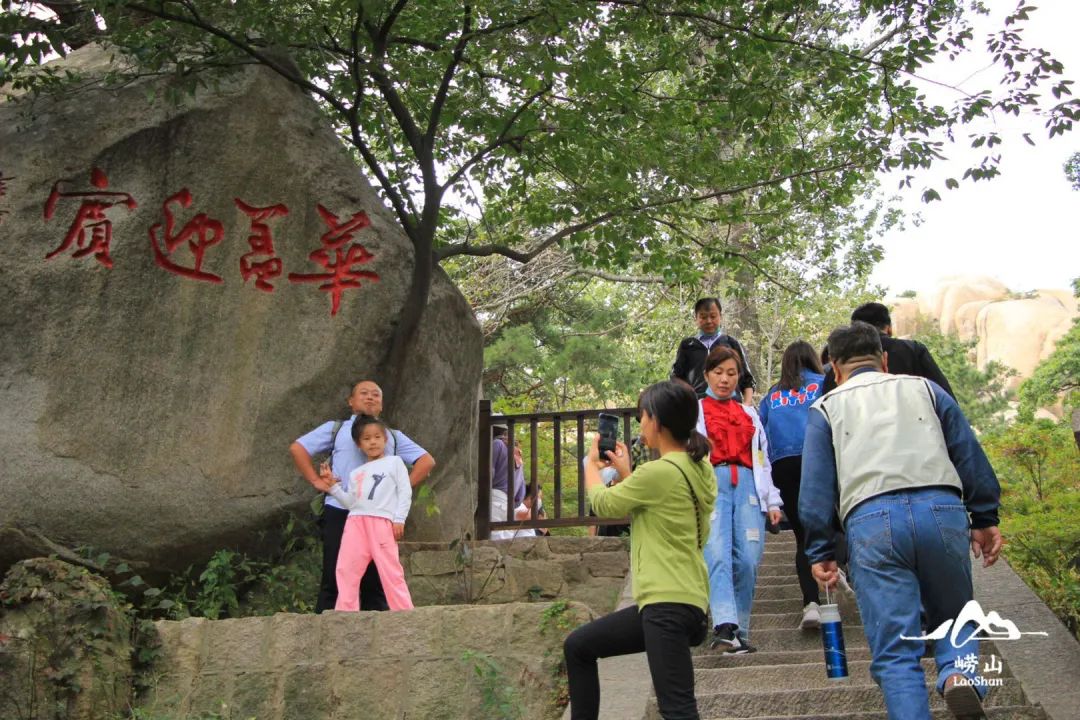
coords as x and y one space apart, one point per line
785 678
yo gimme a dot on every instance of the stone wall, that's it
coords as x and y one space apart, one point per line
435 663
585 569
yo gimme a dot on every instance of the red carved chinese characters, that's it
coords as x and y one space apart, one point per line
339 261
91 230
261 261
200 232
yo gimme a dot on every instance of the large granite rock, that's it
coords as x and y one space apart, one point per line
148 412
436 663
1016 331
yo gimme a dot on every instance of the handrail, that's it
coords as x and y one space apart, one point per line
484 522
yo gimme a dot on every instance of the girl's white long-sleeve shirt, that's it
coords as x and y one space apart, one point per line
379 488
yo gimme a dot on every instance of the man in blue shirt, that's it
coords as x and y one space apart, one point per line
366 399
897 457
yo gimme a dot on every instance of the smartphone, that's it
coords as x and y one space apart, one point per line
609 433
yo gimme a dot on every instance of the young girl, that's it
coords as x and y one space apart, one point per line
745 492
378 499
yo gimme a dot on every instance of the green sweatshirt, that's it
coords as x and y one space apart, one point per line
665 556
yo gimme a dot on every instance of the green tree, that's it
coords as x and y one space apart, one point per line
619 131
1037 466
981 394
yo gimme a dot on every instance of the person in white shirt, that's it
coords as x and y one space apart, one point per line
378 501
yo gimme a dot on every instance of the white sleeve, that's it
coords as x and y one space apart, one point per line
774 500
701 419
347 500
404 490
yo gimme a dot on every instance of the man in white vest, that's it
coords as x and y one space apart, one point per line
896 458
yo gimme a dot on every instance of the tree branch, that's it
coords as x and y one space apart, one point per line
280 68
502 139
613 277
522 257
448 76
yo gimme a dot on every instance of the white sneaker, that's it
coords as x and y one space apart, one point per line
811 617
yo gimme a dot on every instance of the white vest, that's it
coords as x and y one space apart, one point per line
886 437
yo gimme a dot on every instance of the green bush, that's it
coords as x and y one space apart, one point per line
1038 466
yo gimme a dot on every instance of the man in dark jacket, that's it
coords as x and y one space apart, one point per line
903 357
690 358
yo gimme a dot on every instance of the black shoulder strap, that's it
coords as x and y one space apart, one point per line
697 506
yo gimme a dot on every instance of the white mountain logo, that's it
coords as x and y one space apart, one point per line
987 627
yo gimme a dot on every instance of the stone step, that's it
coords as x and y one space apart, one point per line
791 620
842 699
784 578
764 678
767 606
704 658
778 569
788 639
1008 712
777 591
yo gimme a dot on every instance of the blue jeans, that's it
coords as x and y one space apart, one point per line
733 551
910 549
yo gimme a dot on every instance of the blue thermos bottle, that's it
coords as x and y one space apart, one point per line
832 640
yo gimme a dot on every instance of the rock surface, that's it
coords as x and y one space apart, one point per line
148 413
1016 331
65 644
437 663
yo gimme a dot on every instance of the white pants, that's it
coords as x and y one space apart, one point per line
498 514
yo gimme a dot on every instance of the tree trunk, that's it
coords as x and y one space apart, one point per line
390 372
1076 426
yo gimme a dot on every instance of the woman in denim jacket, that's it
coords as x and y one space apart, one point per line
784 411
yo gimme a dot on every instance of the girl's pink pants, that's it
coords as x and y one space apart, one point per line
368 538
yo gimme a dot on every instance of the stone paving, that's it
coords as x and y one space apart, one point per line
786 677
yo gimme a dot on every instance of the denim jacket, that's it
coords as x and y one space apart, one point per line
784 413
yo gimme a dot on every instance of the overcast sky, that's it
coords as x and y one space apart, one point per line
1022 227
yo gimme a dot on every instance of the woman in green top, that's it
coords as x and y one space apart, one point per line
669 502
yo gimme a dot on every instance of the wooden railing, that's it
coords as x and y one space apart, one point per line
574 420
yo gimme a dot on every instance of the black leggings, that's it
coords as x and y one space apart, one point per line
665 631
331 527
786 473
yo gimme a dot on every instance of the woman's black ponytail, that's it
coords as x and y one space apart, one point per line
675 406
698 445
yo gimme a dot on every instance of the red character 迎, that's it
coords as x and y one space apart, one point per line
261 261
91 230
337 259
200 232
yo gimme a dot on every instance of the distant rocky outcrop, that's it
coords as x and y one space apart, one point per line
1018 331
184 290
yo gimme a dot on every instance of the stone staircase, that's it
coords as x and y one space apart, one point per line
785 678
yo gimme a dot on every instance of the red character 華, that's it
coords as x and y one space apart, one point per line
261 261
91 230
339 260
200 232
